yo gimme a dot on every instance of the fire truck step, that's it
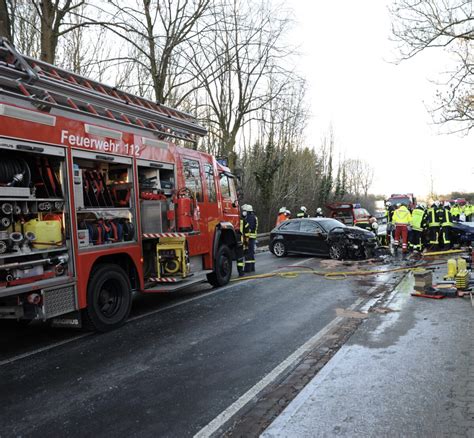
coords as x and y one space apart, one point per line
173 287
166 280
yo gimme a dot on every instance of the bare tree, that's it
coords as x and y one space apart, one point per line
447 24
157 30
367 178
52 15
233 63
41 23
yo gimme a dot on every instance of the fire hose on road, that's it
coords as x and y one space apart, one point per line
335 275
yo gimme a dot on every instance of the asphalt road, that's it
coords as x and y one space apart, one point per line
174 367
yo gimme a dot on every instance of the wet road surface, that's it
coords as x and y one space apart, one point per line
171 372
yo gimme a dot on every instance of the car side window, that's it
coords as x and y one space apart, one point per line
310 227
290 226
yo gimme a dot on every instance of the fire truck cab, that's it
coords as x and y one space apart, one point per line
102 194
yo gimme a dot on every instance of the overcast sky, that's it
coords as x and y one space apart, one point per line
378 110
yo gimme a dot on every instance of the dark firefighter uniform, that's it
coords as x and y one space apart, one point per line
302 213
239 251
250 226
433 218
389 215
418 225
446 224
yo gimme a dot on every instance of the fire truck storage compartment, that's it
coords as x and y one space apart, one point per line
103 196
34 220
156 183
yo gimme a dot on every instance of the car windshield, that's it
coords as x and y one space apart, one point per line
404 201
360 213
330 224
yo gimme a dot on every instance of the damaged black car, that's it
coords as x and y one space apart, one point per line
322 237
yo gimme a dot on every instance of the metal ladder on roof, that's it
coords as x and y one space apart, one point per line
46 86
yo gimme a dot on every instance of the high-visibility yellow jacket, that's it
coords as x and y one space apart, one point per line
401 215
455 210
418 221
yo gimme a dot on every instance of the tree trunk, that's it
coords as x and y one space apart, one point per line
49 39
5 25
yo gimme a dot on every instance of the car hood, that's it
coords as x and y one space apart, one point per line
353 230
464 226
358 230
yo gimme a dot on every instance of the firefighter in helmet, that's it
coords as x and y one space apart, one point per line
419 218
433 218
402 219
319 212
250 227
389 215
303 212
446 224
282 216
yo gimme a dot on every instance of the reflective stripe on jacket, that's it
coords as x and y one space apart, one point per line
250 230
432 220
447 220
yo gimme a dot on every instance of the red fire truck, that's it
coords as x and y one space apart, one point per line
102 195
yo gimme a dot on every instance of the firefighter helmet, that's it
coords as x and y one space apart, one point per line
303 209
247 207
282 210
319 210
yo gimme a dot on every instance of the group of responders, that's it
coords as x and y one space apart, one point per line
425 226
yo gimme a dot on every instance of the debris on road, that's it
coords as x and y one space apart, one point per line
345 313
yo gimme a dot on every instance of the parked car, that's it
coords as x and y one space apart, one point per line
322 237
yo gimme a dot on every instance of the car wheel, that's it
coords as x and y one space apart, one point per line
223 269
109 299
279 248
336 251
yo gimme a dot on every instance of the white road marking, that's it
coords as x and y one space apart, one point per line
234 408
134 318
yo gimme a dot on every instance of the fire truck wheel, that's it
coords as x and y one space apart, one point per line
223 269
108 299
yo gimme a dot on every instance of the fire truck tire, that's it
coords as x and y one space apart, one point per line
223 268
109 299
